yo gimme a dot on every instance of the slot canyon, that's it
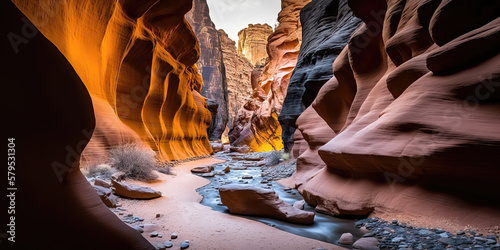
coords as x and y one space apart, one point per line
264 124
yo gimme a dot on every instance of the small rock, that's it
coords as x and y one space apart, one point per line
370 234
184 244
346 239
269 184
460 232
246 177
174 236
287 189
211 174
480 239
444 235
202 169
425 232
299 204
160 236
168 244
134 191
158 245
226 169
490 241
369 243
397 239
153 234
264 181
139 229
394 222
158 215
100 182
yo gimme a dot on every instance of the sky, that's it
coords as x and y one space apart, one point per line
235 15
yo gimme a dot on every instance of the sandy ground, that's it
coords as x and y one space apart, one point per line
182 213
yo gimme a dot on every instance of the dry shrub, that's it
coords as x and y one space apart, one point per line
135 161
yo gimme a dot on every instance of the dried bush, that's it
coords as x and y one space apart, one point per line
103 171
135 161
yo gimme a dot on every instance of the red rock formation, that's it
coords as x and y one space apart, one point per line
257 123
137 62
252 42
238 75
249 200
409 124
211 66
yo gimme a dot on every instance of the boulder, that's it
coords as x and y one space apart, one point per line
369 243
106 196
134 191
202 169
299 204
102 183
248 200
346 239
217 147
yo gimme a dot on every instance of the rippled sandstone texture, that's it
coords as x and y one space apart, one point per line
252 42
238 75
408 125
211 66
52 121
137 61
257 123
327 25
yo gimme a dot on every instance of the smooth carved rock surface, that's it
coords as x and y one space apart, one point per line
238 74
50 105
137 61
249 200
211 66
409 122
327 25
257 123
252 42
134 191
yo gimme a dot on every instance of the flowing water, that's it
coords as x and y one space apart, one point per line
325 228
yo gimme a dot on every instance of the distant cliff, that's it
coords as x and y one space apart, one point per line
211 66
252 42
238 74
257 123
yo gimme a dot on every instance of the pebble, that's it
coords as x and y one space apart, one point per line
168 244
139 229
460 232
158 215
153 234
174 236
247 177
184 244
346 239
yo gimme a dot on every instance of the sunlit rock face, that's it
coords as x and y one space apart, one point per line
238 74
210 65
327 25
252 42
52 120
136 59
409 122
257 123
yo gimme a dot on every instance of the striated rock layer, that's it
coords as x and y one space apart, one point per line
211 66
257 123
252 42
327 25
137 62
238 74
409 124
52 120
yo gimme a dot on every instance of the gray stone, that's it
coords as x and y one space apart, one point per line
138 229
168 244
346 239
211 174
174 236
184 244
153 234
397 239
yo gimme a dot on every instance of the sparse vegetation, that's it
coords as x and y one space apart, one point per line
103 171
135 161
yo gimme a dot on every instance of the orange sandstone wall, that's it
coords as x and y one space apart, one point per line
257 123
136 59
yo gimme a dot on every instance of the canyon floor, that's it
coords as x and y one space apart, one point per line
180 212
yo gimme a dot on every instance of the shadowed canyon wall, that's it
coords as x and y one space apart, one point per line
137 62
52 119
257 123
327 25
252 43
211 66
238 74
409 122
